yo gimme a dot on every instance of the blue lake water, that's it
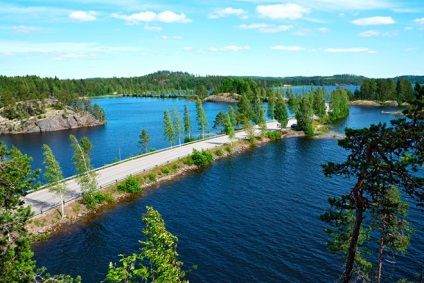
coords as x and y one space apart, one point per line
253 217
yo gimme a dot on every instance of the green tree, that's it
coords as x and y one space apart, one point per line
86 176
233 116
201 117
54 176
271 104
219 120
178 124
244 109
380 157
143 141
168 127
187 121
262 122
229 128
201 91
388 213
318 104
339 104
304 116
280 113
16 177
250 131
158 257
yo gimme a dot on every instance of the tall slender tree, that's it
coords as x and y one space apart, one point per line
143 141
86 177
229 128
168 127
271 104
280 113
178 124
54 176
187 121
304 116
201 117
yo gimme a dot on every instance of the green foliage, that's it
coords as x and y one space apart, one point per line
189 139
152 177
178 125
318 104
229 127
380 158
131 185
166 170
201 91
385 89
229 149
219 120
86 177
280 112
271 103
339 104
244 109
201 158
274 136
92 200
187 122
304 116
158 257
219 152
168 127
143 140
188 161
201 117
54 176
16 176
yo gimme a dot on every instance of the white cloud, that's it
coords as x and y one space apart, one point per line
148 16
152 28
171 17
282 11
408 28
419 21
229 11
25 29
164 37
374 21
82 16
188 48
349 50
233 48
369 33
266 28
287 48
308 31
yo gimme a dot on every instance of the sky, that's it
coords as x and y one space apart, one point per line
125 38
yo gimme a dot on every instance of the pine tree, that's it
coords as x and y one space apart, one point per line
143 141
229 128
271 104
54 176
304 116
280 113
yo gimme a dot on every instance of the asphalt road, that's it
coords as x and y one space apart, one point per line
44 200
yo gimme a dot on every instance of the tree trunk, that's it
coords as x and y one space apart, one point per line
380 252
63 209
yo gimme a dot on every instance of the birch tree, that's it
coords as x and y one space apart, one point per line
54 176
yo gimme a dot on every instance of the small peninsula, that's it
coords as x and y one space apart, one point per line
46 116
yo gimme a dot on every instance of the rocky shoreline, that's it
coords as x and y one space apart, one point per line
52 120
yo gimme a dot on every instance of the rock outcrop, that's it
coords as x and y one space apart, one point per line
223 97
52 120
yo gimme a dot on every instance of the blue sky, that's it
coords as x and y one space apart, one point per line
122 38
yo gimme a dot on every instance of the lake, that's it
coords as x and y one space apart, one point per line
253 217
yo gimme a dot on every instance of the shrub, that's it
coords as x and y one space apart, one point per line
274 135
166 170
93 199
189 139
229 149
131 185
188 161
201 158
151 177
219 152
109 198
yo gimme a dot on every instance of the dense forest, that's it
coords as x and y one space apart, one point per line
174 84
385 89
